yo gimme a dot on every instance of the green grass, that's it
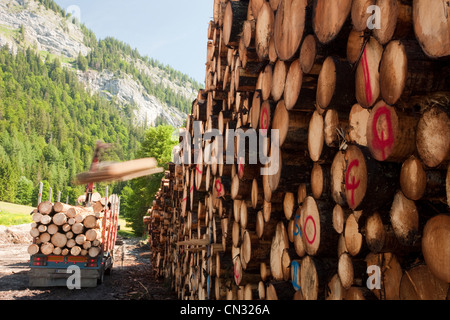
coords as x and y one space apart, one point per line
13 214
125 231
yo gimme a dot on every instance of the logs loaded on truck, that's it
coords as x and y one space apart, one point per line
359 208
65 235
84 235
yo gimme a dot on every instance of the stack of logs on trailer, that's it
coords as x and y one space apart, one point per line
62 229
360 206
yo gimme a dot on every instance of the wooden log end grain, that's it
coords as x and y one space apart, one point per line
419 283
329 17
413 178
289 27
393 72
433 34
433 136
293 86
308 52
280 242
357 125
390 133
389 11
367 75
338 166
359 14
264 31
390 275
369 183
316 136
279 79
405 219
436 246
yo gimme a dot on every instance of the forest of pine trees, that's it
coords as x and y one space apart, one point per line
49 126
49 123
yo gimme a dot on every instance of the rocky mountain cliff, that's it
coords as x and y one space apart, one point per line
28 23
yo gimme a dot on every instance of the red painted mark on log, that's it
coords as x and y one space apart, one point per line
366 71
236 274
241 167
310 218
354 184
264 120
219 187
380 143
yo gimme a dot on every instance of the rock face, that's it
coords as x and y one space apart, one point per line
48 32
128 91
43 29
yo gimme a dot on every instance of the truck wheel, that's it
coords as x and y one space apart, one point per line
102 277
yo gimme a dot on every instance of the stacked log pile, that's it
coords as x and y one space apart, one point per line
360 206
62 229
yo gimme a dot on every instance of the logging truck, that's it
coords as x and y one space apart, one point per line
80 239
86 250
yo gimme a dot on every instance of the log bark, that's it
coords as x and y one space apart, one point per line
336 84
293 128
234 17
405 71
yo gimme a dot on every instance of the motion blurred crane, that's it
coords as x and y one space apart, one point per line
109 172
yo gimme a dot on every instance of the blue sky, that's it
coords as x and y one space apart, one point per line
172 31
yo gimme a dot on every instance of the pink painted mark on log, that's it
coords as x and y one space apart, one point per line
264 121
354 184
236 274
367 84
310 218
380 143
218 186
241 167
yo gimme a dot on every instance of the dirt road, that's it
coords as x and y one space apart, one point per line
131 278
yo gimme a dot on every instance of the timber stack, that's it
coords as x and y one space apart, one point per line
62 229
359 208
